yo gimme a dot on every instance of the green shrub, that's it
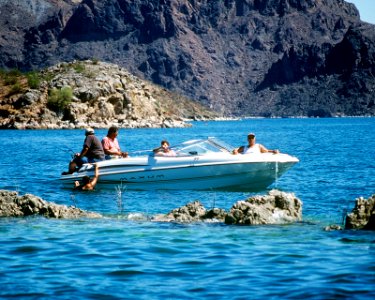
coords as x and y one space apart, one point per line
33 80
58 100
79 67
11 77
14 73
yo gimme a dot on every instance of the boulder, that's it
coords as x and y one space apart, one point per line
14 205
275 208
191 212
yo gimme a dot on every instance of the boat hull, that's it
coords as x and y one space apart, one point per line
234 172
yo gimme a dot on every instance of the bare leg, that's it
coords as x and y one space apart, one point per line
72 167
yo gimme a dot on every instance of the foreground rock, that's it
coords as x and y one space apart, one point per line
362 215
275 208
13 205
192 212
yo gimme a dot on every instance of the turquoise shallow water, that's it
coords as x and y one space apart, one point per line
126 256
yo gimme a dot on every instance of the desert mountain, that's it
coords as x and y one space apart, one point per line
238 57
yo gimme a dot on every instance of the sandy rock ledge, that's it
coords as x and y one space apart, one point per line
13 205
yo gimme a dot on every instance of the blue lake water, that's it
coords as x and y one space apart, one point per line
126 256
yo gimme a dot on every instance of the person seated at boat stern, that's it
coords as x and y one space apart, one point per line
164 149
253 147
87 184
111 146
92 151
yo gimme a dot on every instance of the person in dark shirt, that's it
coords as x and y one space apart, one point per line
92 152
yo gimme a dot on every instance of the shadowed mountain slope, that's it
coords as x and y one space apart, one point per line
238 57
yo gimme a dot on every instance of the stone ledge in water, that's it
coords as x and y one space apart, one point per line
362 215
191 212
275 208
13 205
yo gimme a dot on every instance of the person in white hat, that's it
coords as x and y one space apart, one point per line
253 147
92 152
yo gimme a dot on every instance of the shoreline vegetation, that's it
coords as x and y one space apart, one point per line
276 208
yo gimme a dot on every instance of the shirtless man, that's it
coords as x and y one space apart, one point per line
87 184
253 147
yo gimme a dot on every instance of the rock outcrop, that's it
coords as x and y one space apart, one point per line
13 205
362 215
91 93
238 57
192 212
275 208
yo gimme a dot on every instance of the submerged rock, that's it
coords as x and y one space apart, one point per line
275 208
362 215
333 227
13 205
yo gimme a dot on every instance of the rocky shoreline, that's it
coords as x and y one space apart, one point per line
274 208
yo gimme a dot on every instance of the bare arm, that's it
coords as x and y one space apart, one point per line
265 150
238 150
112 151
96 176
158 149
84 151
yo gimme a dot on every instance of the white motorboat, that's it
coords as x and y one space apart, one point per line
198 165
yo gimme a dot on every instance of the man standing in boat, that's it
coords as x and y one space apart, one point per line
253 147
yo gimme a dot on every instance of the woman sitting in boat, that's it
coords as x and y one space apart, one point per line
164 149
111 146
87 184
253 147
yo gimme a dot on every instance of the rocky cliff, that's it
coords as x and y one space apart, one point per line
239 57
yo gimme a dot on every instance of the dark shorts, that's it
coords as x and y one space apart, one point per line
84 160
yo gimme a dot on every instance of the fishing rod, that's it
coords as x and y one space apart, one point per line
68 150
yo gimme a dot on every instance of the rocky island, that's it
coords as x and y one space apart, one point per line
90 93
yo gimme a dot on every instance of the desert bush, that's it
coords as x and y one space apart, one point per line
58 100
33 79
11 76
79 67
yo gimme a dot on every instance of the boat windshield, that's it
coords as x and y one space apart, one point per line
200 147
